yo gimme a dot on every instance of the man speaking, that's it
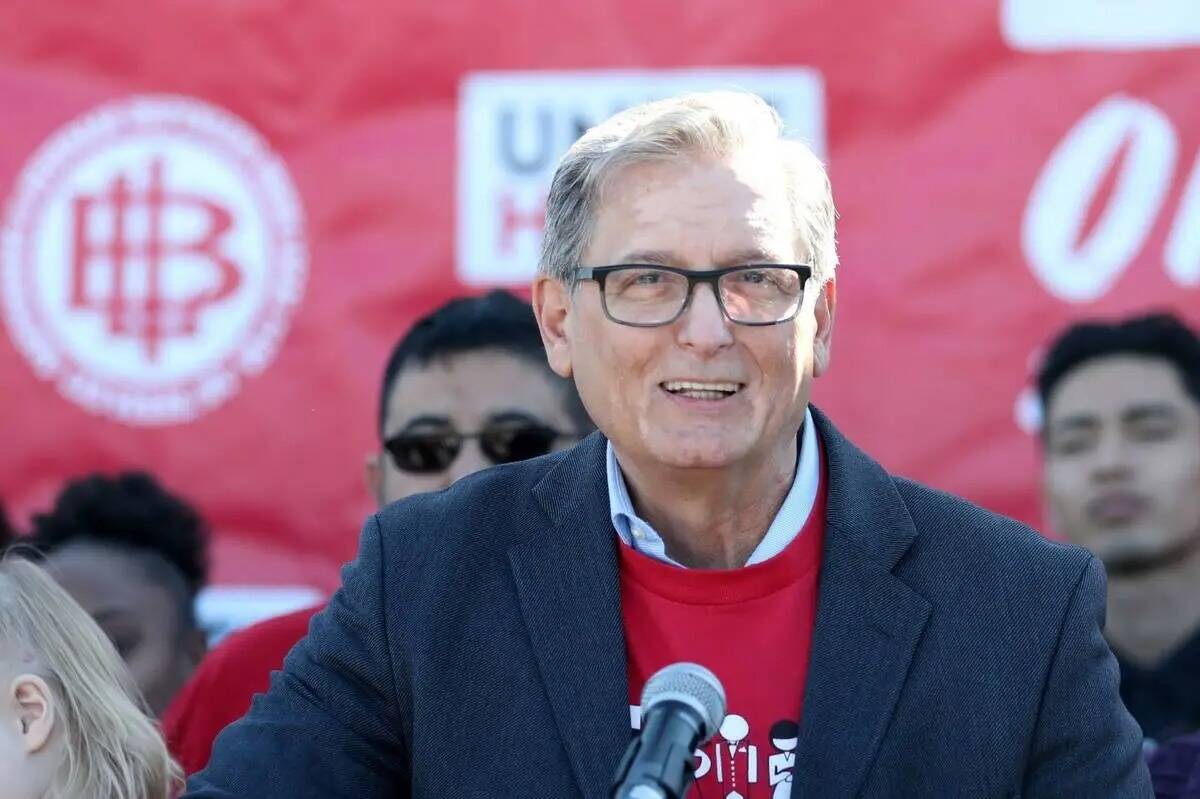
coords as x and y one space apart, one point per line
874 637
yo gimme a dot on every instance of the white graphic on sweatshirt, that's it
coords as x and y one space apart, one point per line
732 762
785 738
737 764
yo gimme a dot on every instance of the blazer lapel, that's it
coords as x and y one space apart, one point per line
569 592
868 624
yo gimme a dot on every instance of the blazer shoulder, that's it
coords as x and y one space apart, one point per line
485 510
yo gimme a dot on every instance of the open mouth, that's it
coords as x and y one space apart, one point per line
701 390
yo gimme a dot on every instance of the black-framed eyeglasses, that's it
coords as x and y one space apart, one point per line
504 439
645 295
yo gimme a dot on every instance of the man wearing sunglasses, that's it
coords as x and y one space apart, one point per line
467 387
490 640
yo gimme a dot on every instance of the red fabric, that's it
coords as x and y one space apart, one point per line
998 173
753 628
221 690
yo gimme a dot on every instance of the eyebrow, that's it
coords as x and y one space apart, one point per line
750 255
656 257
514 415
425 419
1075 422
1137 413
1151 411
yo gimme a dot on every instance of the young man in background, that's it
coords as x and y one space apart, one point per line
1122 478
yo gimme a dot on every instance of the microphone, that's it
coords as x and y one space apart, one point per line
683 705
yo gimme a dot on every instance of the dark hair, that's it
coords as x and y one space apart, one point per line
133 513
784 729
8 533
1159 335
495 321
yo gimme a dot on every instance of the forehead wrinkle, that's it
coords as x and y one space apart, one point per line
753 233
760 210
450 395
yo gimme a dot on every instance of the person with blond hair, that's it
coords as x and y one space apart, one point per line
492 639
72 725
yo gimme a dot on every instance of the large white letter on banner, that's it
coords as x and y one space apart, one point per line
1081 270
1182 256
1049 25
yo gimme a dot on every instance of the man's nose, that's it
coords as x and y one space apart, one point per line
703 326
1111 460
470 460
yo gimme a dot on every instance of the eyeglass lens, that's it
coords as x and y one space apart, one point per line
755 295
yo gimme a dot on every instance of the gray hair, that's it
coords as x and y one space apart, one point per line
715 124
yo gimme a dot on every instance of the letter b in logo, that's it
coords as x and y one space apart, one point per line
153 253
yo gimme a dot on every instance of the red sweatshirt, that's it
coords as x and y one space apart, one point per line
220 691
752 627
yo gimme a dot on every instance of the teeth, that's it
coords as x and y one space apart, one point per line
694 388
704 395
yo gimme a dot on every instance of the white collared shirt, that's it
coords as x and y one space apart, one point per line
789 521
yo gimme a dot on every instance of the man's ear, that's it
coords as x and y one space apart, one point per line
552 307
35 711
373 472
823 341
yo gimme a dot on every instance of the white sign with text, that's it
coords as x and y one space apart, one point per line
1047 25
513 127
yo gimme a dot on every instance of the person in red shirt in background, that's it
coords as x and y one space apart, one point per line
467 387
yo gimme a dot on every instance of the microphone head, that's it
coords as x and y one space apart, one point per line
694 686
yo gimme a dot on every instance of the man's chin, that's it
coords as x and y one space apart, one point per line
1132 559
681 454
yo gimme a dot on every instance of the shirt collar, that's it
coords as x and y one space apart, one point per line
793 513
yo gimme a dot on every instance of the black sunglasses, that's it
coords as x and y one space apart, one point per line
504 439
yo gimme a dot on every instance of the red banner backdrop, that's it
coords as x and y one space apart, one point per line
219 216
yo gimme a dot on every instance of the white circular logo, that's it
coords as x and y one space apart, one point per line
151 256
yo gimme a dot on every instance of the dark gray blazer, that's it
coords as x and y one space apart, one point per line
475 649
